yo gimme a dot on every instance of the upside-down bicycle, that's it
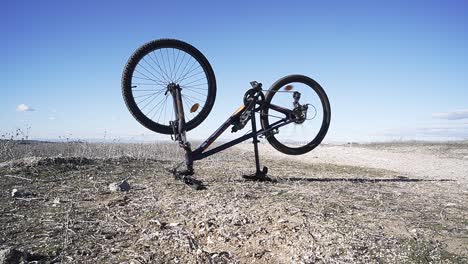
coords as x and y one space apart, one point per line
170 88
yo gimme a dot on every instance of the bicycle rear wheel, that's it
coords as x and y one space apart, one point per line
158 64
305 133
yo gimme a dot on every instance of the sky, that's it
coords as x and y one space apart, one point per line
393 70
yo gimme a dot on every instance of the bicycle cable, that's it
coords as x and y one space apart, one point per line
274 116
278 91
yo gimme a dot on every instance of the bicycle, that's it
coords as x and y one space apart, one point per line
174 78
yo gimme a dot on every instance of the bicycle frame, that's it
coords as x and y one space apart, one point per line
248 111
200 152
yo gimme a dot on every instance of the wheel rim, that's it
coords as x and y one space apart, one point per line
304 134
158 68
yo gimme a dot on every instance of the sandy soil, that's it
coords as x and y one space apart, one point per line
411 160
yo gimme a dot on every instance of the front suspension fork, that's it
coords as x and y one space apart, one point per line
178 127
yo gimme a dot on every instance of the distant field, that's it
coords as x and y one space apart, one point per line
372 203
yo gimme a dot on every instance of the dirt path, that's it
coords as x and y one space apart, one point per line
408 160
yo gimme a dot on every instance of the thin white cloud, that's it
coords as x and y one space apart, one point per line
52 118
453 115
24 108
434 131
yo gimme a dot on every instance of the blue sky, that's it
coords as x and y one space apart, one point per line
392 69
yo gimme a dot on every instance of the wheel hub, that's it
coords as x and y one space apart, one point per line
300 114
299 111
171 88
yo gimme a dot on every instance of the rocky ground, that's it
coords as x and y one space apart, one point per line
374 203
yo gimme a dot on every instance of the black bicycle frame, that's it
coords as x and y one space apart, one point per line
200 154
254 105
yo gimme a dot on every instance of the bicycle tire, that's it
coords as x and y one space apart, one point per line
265 122
150 48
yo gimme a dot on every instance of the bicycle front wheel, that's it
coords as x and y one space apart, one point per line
311 124
150 71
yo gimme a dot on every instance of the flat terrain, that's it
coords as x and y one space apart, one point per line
373 203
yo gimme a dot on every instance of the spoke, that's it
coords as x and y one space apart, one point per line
143 95
193 74
191 69
160 112
163 74
183 70
160 72
185 102
194 91
143 83
187 75
160 67
169 63
141 65
164 64
160 101
165 109
148 79
190 102
194 81
181 62
149 102
173 54
156 82
196 86
156 70
148 90
171 68
146 99
188 99
195 98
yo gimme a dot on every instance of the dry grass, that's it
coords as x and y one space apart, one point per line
323 213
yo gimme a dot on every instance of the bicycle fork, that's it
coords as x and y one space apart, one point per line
179 132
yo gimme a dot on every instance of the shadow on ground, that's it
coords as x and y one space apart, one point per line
359 180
